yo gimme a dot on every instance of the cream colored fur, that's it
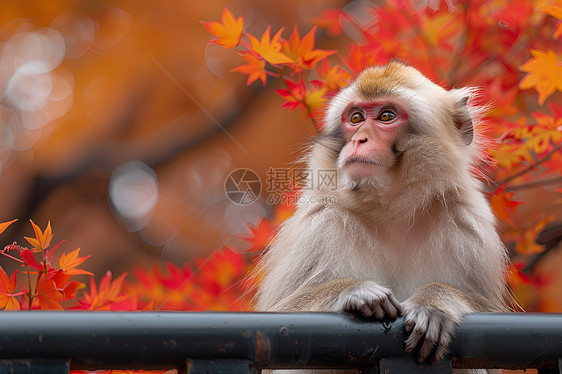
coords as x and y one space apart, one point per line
424 221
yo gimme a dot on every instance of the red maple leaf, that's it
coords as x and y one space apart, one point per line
503 205
102 297
260 235
29 258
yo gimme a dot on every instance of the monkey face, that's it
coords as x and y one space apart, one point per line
395 126
371 129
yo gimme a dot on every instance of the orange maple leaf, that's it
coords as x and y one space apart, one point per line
7 287
229 32
360 57
440 29
255 68
510 155
315 99
302 50
544 73
48 296
526 245
270 48
555 11
68 263
542 137
42 239
4 225
333 77
537 138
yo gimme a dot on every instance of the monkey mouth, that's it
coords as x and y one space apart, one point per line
362 160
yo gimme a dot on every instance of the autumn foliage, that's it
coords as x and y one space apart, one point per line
210 285
509 50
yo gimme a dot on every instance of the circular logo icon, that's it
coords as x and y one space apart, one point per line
242 186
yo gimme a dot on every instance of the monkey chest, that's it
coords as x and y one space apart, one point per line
402 263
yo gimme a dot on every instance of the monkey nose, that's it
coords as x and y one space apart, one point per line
359 140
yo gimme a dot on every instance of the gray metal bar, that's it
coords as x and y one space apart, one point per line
220 367
34 366
408 365
143 340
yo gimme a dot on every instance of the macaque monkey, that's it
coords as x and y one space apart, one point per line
407 231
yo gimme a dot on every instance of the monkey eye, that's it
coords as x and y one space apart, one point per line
357 117
387 116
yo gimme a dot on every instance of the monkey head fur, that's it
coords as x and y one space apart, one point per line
430 154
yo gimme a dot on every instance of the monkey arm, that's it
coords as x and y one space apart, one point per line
348 294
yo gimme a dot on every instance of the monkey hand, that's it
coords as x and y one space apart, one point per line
370 299
431 316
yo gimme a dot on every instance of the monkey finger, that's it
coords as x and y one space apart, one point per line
438 353
425 350
420 321
366 310
415 337
417 317
445 337
413 341
390 309
378 311
409 323
430 339
395 304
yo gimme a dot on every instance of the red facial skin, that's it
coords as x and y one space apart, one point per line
368 149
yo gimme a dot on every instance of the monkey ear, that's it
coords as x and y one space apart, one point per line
463 120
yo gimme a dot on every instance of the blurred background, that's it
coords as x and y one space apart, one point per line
119 124
110 125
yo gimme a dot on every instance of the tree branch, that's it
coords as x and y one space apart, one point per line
535 184
530 167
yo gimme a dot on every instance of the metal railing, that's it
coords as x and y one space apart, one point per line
227 342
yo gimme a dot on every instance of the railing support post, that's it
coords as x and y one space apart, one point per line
31 366
220 366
